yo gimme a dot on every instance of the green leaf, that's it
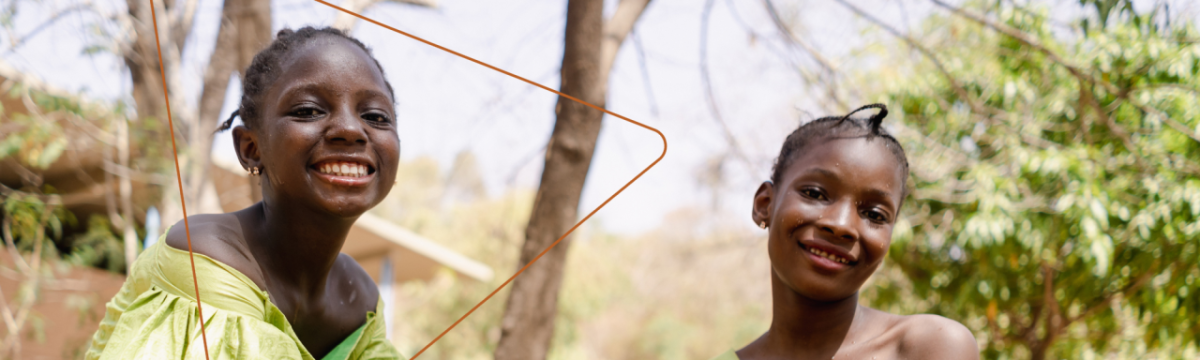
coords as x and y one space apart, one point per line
1101 250
51 153
1099 213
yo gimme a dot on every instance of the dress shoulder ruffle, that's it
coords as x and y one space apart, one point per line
154 316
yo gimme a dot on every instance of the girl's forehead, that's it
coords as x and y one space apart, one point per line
331 62
855 160
327 49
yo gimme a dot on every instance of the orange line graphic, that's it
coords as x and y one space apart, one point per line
585 218
179 179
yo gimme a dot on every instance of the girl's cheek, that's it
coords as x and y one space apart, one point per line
879 248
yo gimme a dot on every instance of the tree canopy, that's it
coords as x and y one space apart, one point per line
1056 202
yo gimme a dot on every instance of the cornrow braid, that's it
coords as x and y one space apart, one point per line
841 127
265 69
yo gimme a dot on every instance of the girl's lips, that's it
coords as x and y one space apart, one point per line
344 180
822 262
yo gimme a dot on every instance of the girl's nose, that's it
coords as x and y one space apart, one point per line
838 220
345 127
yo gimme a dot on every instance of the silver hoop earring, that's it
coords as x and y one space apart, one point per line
254 171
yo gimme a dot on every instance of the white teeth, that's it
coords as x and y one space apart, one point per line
829 256
343 169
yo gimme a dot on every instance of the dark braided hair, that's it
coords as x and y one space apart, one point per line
265 69
838 127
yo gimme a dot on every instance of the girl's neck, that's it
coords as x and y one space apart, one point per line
297 247
801 325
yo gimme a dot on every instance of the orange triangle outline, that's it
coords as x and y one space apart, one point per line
179 177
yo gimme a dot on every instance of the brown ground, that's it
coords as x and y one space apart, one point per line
70 309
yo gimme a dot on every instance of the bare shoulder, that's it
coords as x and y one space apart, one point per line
218 236
928 336
352 285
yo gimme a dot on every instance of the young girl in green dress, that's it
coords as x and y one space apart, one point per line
319 134
834 195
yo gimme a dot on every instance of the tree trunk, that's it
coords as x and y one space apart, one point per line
141 57
346 21
245 29
590 46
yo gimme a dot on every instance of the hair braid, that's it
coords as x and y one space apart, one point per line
837 127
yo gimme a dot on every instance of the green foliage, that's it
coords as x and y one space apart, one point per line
1056 207
98 247
1105 9
27 217
37 138
37 144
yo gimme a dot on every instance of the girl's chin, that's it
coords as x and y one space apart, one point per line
827 296
824 290
348 208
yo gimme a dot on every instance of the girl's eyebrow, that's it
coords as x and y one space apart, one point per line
874 193
821 172
300 88
318 88
880 194
372 93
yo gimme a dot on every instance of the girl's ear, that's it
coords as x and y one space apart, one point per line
761 212
245 142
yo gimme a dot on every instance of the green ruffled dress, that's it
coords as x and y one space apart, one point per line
154 317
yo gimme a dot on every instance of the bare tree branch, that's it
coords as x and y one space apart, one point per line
974 103
615 30
641 52
1178 126
829 77
1019 36
829 66
182 22
1136 285
16 42
710 98
345 21
6 230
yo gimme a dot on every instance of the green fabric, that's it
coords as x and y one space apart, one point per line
154 316
728 355
342 351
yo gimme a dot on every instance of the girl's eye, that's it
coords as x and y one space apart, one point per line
307 112
813 193
381 118
875 216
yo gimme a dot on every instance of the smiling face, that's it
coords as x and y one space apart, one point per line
831 216
326 137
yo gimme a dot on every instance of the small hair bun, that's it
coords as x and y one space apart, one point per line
874 121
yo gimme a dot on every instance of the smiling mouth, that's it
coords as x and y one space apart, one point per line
345 169
819 252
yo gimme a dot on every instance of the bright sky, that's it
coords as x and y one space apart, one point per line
447 104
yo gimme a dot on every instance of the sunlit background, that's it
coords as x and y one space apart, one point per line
1050 142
